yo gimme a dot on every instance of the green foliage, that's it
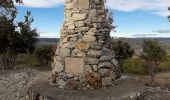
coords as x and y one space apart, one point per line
122 51
134 66
44 54
153 51
27 59
153 54
165 65
16 38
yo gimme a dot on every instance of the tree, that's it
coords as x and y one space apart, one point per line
44 54
153 54
8 7
169 15
15 38
122 51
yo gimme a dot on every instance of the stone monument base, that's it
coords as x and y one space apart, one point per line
124 89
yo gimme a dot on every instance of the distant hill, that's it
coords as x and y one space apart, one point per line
135 43
47 41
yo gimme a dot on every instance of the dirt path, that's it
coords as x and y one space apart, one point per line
14 83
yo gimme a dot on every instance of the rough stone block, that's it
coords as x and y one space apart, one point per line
83 4
74 65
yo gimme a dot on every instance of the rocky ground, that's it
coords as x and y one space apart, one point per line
14 83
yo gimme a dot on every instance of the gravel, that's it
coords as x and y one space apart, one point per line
14 83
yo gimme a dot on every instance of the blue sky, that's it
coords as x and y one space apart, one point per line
134 18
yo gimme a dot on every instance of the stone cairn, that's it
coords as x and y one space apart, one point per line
84 58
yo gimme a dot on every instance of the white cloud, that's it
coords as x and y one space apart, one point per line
156 6
42 3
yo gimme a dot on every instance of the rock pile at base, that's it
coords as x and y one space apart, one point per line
84 58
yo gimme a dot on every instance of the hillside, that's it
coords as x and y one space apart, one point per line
134 42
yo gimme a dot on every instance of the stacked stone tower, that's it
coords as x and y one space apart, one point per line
84 58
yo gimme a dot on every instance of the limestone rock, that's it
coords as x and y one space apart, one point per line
92 61
89 38
115 62
61 83
58 58
113 75
105 65
78 53
64 52
58 67
88 69
95 68
105 58
96 46
79 24
107 81
104 72
90 33
94 53
79 16
82 46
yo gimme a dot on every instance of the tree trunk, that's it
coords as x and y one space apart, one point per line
152 72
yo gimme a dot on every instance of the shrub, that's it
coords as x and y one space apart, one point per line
123 51
44 54
16 38
165 65
153 53
134 66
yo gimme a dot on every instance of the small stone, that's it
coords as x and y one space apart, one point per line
88 69
115 62
97 25
58 67
71 27
96 46
79 24
95 68
69 45
52 78
104 72
64 52
82 46
73 39
113 75
92 61
76 78
78 53
106 52
58 58
105 65
65 40
61 83
89 38
84 29
67 1
94 53
106 81
70 5
94 30
90 33
79 16
105 58
69 75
